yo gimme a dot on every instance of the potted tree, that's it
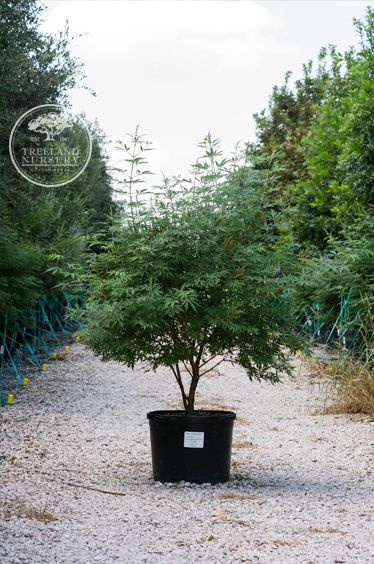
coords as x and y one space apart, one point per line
190 279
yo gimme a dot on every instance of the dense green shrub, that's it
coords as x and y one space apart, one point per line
321 133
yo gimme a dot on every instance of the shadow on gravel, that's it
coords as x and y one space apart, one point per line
293 485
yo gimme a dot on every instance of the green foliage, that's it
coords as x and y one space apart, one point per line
132 176
326 151
322 134
339 150
188 278
281 129
92 192
36 69
19 263
344 270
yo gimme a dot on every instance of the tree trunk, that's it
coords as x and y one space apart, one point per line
193 386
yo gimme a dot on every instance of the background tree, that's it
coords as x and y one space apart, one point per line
36 69
280 129
321 135
95 186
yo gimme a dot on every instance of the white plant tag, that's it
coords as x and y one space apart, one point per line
2 349
193 440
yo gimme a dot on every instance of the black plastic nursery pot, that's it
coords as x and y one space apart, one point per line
194 448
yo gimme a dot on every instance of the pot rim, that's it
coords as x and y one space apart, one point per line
174 415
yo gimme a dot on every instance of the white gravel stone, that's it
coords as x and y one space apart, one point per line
301 489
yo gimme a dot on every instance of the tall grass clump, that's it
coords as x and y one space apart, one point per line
351 387
349 382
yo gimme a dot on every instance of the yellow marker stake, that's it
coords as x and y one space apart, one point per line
24 381
67 349
10 400
54 355
45 366
77 339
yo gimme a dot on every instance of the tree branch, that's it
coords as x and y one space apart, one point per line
200 354
178 378
223 360
209 359
186 367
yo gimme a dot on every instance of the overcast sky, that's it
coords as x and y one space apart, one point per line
183 68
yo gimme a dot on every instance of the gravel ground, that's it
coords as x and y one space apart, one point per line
301 489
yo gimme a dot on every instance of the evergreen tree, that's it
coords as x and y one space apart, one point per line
36 69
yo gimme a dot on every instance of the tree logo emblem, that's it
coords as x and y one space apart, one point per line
51 124
50 146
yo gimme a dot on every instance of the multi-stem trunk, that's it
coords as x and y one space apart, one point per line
193 365
194 373
188 400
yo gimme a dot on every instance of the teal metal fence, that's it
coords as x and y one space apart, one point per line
337 331
32 342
